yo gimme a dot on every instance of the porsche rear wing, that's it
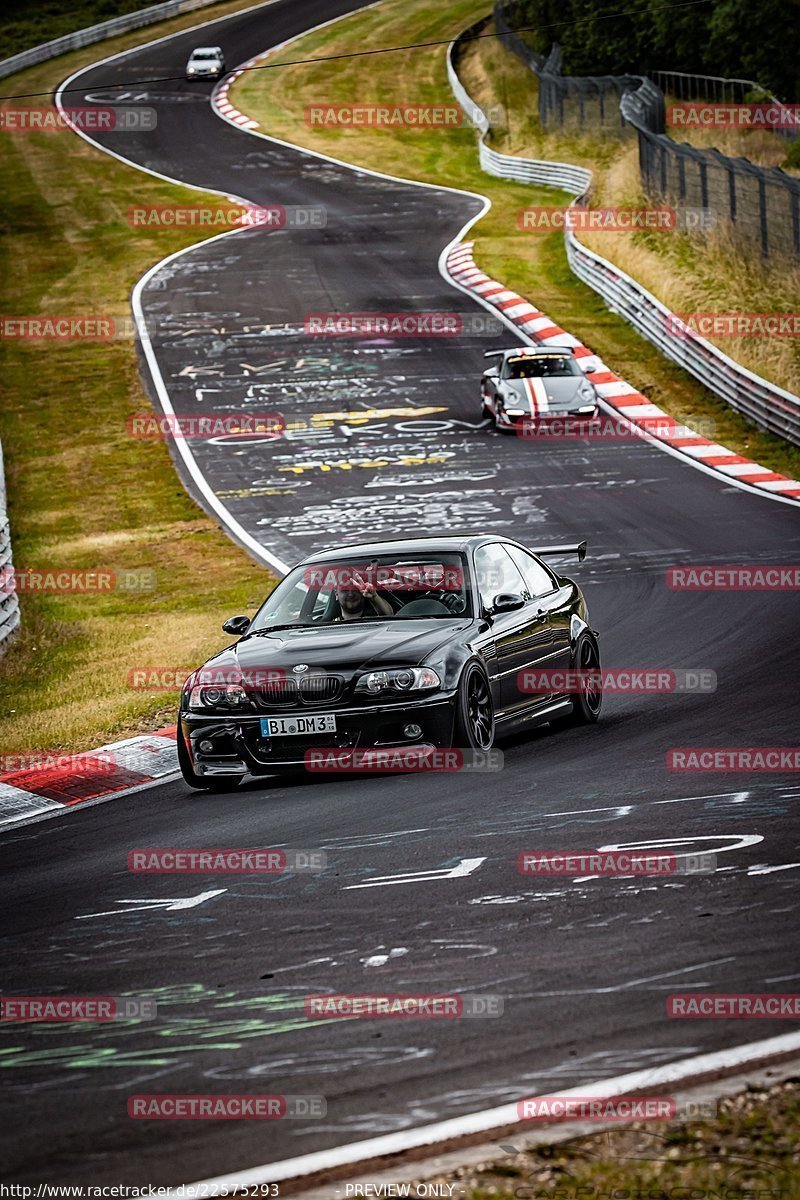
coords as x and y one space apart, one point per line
532 350
578 548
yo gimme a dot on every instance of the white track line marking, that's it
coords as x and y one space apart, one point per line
237 531
670 1074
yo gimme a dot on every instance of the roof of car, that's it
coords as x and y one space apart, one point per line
207 50
411 545
538 351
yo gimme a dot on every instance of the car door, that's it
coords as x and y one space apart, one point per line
512 631
552 613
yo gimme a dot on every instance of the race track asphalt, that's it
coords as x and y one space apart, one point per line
584 967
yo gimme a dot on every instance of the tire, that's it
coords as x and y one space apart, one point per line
473 728
203 783
585 705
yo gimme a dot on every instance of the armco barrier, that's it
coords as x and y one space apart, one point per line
98 33
9 604
524 170
764 403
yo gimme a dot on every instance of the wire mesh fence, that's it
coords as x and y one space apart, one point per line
767 405
761 203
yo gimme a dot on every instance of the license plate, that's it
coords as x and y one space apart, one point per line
298 726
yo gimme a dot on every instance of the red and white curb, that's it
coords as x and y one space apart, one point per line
632 405
63 780
222 104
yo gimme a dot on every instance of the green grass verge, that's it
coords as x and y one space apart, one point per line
533 264
82 493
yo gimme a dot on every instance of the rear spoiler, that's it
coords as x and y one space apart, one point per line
578 548
522 350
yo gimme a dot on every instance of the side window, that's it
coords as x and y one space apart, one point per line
538 579
496 573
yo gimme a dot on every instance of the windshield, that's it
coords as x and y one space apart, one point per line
205 54
541 368
387 587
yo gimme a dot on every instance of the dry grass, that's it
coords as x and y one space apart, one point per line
701 272
758 145
749 1151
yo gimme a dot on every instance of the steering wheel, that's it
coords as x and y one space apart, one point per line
452 600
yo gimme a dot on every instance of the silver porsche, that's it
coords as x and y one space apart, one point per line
535 383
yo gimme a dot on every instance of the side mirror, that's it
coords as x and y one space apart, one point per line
236 625
507 602
492 371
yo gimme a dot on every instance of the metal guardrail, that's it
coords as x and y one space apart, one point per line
98 33
575 180
475 114
506 166
767 405
9 604
762 402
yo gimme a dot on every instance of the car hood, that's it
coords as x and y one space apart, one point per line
345 648
560 394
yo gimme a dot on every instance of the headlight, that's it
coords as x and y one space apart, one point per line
232 695
404 679
587 408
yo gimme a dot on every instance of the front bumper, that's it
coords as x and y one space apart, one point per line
549 424
238 748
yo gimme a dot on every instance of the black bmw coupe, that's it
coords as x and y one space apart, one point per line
416 644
